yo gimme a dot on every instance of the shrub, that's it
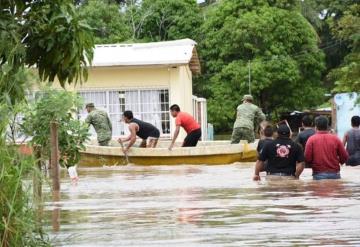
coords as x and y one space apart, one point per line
61 107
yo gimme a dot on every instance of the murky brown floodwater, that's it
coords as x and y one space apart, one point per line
204 206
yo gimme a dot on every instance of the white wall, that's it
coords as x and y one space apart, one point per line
346 107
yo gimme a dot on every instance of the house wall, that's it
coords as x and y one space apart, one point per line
124 77
346 107
178 79
181 91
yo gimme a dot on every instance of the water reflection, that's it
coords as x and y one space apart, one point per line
55 217
329 188
205 206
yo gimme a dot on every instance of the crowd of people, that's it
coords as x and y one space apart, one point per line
280 155
147 132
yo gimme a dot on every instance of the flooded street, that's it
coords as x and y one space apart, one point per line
203 206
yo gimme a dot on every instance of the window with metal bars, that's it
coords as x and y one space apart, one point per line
150 105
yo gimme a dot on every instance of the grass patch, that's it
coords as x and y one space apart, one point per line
18 225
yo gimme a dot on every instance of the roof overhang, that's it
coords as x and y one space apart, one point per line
167 53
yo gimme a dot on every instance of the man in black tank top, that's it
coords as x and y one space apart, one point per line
144 130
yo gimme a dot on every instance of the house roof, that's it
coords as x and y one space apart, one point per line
175 52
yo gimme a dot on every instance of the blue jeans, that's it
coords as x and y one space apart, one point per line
354 160
326 175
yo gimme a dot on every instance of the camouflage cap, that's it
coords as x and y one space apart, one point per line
248 97
91 105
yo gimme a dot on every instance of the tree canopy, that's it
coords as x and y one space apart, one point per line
170 19
296 50
347 28
106 20
323 15
48 35
146 20
281 47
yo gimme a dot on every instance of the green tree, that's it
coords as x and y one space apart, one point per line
347 28
108 22
80 2
286 64
47 34
50 36
170 19
322 14
135 17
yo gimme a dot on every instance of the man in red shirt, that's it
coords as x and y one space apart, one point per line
325 151
191 127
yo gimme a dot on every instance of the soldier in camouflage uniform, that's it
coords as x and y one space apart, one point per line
248 115
100 121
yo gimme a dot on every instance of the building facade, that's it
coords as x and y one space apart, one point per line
145 78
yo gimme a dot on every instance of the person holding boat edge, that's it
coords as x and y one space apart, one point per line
284 157
247 115
100 120
144 130
191 127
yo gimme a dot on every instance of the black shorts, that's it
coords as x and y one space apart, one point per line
192 138
155 134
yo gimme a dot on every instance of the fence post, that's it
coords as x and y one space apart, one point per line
37 188
55 215
55 167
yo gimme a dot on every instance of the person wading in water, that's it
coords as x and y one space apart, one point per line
352 142
283 156
325 151
308 131
268 133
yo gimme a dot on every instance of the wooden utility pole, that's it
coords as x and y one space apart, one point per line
55 167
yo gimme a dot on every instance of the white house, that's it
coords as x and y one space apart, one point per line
146 78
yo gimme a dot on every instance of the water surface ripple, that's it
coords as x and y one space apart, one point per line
203 206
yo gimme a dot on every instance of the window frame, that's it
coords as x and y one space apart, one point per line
107 92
